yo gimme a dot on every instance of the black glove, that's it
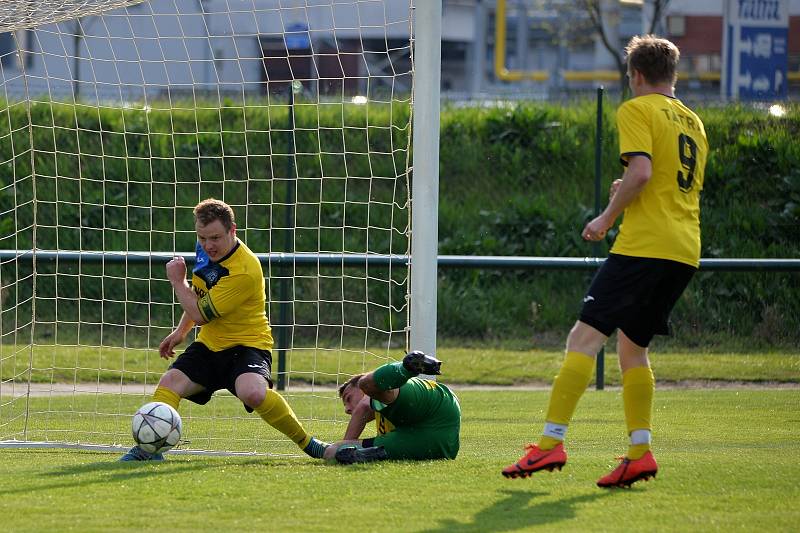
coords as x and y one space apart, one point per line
348 455
417 362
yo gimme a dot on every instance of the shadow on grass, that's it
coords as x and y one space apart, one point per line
115 471
515 511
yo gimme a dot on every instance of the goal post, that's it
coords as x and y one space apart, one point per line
117 117
425 192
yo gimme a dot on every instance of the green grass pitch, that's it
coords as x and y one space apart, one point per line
728 461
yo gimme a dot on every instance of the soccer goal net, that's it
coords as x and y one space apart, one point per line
116 118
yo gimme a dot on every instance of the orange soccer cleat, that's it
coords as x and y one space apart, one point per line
537 459
630 471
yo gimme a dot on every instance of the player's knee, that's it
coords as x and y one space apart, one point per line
252 397
173 380
585 339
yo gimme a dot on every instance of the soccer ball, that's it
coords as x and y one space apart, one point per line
156 427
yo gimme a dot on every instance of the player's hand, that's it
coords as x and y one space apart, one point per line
596 229
167 347
612 190
417 363
176 270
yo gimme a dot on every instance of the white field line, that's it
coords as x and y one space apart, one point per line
74 389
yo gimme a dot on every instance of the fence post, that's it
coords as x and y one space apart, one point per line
286 271
598 160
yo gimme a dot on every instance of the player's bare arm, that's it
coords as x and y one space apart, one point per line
167 347
612 189
636 177
176 273
362 414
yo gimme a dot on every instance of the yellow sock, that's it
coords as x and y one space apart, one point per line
548 443
638 387
568 387
163 394
277 413
636 451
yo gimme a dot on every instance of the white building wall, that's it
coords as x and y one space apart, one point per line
139 52
458 21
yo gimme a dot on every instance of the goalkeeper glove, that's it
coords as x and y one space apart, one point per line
417 362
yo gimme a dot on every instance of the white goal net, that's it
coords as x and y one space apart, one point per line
116 118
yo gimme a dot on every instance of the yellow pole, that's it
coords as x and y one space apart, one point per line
500 70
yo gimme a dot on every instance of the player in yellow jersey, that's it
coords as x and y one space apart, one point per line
415 418
657 251
232 351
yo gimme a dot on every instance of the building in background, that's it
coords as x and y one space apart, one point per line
175 47
557 40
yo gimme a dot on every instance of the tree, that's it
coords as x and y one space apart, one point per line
599 17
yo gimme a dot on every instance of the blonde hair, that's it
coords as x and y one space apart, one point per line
655 58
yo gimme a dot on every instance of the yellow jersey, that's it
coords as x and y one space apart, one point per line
663 221
231 298
382 424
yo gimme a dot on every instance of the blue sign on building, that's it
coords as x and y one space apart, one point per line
297 37
755 49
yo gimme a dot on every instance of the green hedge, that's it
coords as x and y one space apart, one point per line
514 180
519 181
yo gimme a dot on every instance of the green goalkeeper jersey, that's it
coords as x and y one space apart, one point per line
427 419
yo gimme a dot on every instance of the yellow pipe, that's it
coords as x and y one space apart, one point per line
707 76
500 70
591 75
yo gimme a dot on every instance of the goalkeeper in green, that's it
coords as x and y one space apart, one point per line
415 418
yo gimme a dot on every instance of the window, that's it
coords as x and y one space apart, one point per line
676 25
7 49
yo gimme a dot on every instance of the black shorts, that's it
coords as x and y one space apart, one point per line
219 370
636 295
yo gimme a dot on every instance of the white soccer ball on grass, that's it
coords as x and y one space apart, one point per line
156 427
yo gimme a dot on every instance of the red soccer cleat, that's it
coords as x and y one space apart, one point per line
537 459
630 471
